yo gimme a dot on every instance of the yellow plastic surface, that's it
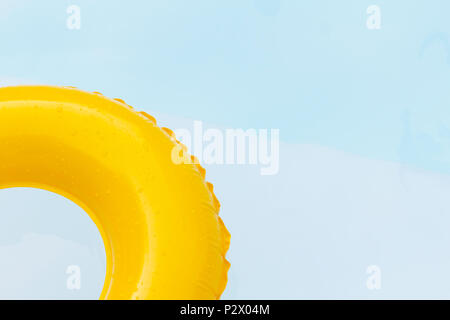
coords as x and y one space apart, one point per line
158 220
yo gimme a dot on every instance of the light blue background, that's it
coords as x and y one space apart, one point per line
364 117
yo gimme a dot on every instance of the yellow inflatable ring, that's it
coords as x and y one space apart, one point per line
158 219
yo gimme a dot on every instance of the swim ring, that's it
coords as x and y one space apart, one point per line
158 219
